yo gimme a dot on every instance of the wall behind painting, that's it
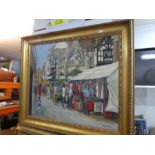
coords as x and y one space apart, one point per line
145 97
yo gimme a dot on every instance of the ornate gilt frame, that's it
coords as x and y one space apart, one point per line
30 125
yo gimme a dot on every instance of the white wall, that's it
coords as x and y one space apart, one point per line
145 36
145 104
145 97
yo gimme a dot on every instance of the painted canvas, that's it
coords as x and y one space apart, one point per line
76 81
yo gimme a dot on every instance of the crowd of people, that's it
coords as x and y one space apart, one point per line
57 93
81 96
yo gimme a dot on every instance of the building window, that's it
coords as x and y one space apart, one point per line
104 51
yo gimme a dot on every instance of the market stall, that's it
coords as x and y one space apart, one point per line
96 90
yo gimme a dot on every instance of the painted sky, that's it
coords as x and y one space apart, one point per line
42 53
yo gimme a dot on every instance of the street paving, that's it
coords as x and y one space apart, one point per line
57 113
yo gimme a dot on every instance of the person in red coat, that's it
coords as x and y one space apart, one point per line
39 90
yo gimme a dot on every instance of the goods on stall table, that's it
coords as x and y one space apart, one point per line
90 105
110 115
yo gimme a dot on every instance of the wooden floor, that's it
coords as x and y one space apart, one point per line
11 131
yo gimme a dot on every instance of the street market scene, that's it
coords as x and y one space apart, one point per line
76 82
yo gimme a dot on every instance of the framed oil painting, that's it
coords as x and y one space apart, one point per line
78 81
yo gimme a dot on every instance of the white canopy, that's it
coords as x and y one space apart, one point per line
97 72
113 92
